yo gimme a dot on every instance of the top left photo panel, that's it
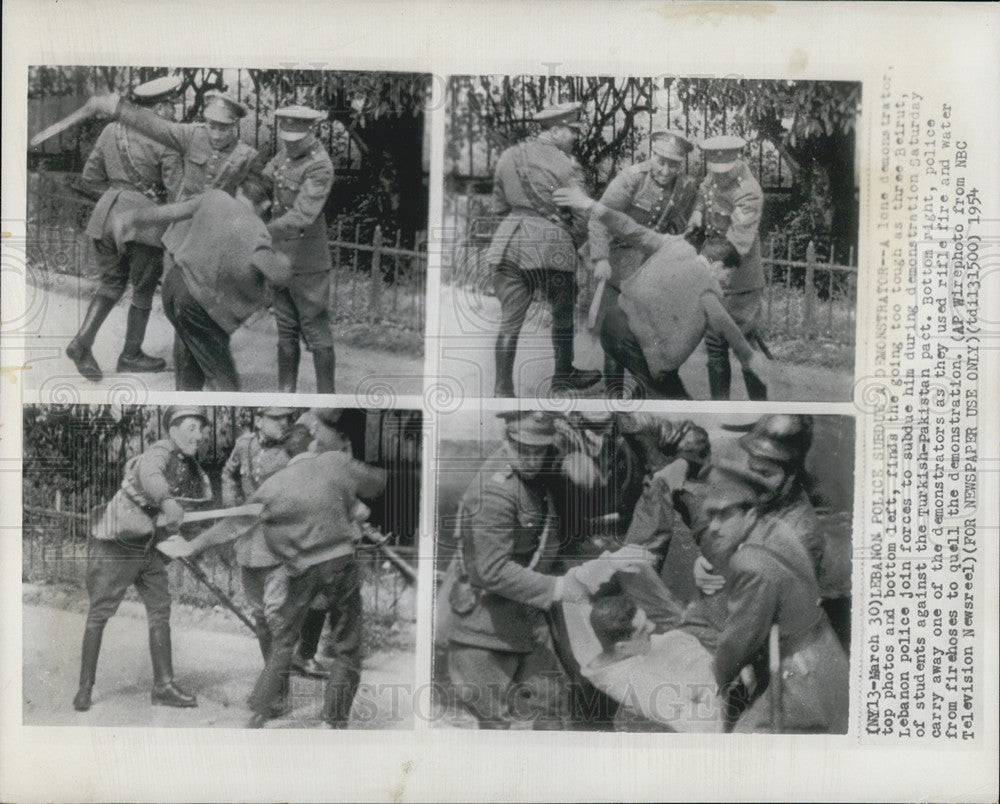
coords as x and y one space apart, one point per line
208 229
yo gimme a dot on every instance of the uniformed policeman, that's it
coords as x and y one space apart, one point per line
770 580
301 176
499 585
728 210
255 457
156 487
133 171
535 245
657 194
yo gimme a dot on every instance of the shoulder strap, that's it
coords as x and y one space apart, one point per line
155 191
527 175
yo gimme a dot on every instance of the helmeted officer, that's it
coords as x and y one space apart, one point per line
301 176
133 171
657 194
156 487
770 580
535 245
728 210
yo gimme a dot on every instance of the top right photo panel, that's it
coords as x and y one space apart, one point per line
650 238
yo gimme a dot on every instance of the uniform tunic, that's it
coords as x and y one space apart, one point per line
664 209
133 172
300 188
770 579
503 519
535 234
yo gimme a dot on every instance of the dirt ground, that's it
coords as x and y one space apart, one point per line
57 304
215 657
469 322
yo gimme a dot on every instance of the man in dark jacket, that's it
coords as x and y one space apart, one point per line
156 486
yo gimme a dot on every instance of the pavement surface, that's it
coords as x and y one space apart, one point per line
217 665
57 303
469 323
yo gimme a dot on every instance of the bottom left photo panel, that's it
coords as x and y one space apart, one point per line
234 567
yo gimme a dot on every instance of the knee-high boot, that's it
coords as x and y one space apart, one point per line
719 378
505 352
165 692
88 666
79 348
567 377
756 390
288 366
132 357
323 362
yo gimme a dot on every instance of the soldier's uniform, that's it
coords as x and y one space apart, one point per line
205 166
301 183
122 553
254 459
730 203
535 247
498 590
134 172
770 580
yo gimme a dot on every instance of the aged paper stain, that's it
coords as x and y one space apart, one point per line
716 10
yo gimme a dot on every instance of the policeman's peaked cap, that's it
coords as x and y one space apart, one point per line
222 108
670 144
328 416
159 89
562 114
784 438
534 429
295 122
174 413
729 483
722 154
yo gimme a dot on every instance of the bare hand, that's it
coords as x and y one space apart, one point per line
573 197
673 474
706 580
694 222
602 269
175 546
761 366
103 105
171 514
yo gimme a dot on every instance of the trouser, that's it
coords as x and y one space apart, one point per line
502 687
140 264
589 708
112 567
302 310
745 309
515 288
339 580
620 344
201 346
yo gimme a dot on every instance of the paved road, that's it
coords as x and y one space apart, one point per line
56 310
219 667
468 331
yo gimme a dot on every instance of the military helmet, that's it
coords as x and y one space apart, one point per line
784 438
175 413
535 428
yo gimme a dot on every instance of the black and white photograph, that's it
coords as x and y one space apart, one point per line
189 566
227 229
644 572
669 238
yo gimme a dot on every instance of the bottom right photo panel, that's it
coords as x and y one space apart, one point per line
632 571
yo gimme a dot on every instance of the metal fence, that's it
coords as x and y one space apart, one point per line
374 280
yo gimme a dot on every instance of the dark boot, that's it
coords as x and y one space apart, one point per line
567 377
132 357
304 661
264 639
338 698
504 352
288 366
165 692
756 390
79 348
323 362
719 377
669 385
88 666
614 378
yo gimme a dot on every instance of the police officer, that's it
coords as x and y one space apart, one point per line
535 245
133 171
301 176
155 488
728 212
770 580
657 194
500 585
255 457
214 156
